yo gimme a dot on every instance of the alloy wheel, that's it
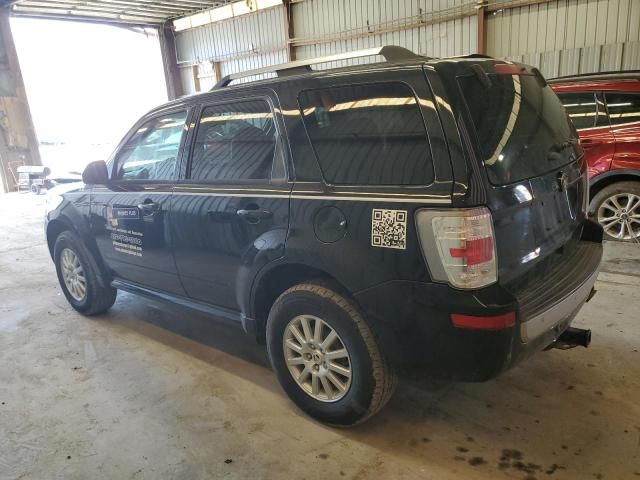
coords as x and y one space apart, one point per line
73 274
317 358
619 215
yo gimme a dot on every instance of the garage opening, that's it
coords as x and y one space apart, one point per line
86 84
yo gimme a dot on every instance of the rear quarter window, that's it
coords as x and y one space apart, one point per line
368 134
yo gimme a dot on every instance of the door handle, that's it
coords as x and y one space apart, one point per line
254 214
148 207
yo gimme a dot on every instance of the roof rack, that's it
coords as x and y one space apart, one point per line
391 53
597 76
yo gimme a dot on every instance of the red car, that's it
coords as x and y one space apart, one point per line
605 109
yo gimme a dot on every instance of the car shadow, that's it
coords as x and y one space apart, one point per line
552 414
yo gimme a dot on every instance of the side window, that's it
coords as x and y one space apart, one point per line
623 107
583 110
151 153
371 134
234 142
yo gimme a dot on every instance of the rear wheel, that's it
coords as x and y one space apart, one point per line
79 276
326 357
617 209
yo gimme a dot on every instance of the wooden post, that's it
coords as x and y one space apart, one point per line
196 78
217 72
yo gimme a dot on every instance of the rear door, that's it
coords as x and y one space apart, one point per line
589 115
624 112
230 215
535 171
130 215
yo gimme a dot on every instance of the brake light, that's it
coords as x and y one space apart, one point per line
459 246
476 251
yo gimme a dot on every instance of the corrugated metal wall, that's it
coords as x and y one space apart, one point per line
560 37
565 37
436 28
242 43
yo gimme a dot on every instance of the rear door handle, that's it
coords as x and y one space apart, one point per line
254 214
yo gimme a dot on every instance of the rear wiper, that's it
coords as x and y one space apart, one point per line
554 151
558 147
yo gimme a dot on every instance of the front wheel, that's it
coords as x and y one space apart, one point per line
326 357
617 209
79 276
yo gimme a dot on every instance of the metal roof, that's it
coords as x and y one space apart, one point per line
615 75
131 12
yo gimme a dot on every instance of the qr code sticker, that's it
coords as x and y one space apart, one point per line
389 228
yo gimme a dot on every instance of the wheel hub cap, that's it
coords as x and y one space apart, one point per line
317 358
619 216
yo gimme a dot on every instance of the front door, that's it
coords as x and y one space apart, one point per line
230 216
130 215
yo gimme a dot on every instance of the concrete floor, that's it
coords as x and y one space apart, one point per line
145 392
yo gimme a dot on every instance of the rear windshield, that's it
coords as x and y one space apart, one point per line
368 134
522 128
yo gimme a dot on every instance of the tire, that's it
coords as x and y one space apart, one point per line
603 205
371 382
98 296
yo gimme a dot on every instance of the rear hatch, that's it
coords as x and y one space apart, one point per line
534 171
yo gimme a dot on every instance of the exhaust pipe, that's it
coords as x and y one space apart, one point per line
573 337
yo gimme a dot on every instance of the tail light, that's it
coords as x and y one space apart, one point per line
459 246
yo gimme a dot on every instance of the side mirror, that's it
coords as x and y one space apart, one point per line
96 173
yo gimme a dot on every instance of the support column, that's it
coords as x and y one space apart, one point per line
18 141
482 27
288 11
170 61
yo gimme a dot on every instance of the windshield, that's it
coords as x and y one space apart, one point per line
522 128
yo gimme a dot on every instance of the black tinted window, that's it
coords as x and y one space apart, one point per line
151 153
623 107
522 129
234 142
584 109
368 134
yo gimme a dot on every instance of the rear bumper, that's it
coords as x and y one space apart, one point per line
416 330
552 318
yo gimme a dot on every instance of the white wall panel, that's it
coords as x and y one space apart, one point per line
561 37
565 37
358 24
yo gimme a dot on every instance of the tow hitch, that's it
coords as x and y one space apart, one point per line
573 337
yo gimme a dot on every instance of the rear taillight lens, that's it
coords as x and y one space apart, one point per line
459 246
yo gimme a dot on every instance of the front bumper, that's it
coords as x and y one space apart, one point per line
413 319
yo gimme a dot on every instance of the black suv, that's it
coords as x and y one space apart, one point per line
361 221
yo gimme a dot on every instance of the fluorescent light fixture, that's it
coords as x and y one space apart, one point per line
225 12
